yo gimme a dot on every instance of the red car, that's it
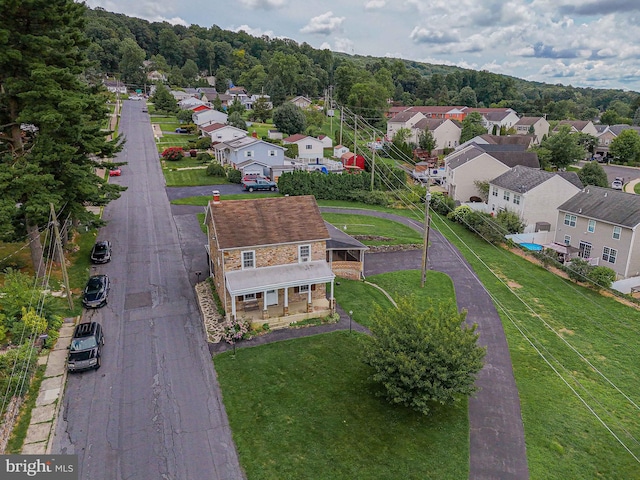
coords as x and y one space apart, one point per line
116 172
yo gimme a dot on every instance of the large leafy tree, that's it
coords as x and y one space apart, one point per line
51 118
131 62
561 149
472 127
626 146
426 141
289 119
423 356
593 174
163 101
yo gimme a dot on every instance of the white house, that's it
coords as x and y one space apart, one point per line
446 132
339 150
406 119
238 150
533 194
222 133
308 147
207 117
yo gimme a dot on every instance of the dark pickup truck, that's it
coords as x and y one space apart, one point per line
258 184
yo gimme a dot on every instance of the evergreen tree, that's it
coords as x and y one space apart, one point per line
261 110
163 100
235 120
289 119
593 174
42 63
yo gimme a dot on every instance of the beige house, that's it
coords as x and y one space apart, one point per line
270 267
603 224
581 126
533 194
608 133
405 119
445 132
465 167
536 126
301 101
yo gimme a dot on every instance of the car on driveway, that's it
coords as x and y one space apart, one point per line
96 292
181 130
259 184
101 252
86 347
115 172
617 184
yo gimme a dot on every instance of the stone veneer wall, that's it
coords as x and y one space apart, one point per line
345 269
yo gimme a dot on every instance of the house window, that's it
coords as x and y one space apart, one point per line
506 195
248 153
248 259
567 239
609 254
516 199
249 296
592 226
584 250
570 220
304 253
494 191
273 153
308 147
617 231
303 289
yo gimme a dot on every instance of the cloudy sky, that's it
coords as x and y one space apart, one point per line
584 43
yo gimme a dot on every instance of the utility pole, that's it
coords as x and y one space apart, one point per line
63 265
341 120
427 225
373 167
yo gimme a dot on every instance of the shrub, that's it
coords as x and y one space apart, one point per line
601 276
459 214
442 204
216 170
204 157
203 143
173 154
578 269
234 176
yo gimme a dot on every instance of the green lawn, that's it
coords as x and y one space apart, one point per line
189 178
569 346
394 233
202 201
306 409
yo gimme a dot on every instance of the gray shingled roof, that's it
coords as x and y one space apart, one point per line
606 205
460 158
342 241
522 179
512 158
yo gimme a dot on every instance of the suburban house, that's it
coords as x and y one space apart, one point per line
220 132
345 254
496 118
156 76
580 126
446 133
274 135
116 86
191 103
208 117
500 143
405 119
465 167
339 150
301 101
181 95
268 267
536 126
238 150
603 224
208 94
326 140
309 148
606 134
442 112
533 194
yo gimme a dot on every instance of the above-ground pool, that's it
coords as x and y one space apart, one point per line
532 246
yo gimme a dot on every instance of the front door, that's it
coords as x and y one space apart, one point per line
272 297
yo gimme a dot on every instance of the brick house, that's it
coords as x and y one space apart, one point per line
268 266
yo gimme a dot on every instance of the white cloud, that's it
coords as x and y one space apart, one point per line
262 4
324 24
375 4
256 32
344 45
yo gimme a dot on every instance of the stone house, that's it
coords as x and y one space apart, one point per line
269 267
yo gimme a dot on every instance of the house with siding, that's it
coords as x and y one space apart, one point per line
533 194
268 267
220 132
446 133
578 126
309 148
208 117
238 150
464 167
603 224
406 119
536 126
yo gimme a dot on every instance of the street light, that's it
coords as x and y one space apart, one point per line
350 315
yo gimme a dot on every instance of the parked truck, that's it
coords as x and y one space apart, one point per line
255 184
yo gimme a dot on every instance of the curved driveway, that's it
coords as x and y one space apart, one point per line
496 436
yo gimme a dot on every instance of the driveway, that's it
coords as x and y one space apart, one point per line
496 436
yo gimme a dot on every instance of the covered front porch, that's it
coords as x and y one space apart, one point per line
281 294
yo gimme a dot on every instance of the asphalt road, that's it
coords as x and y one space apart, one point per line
154 408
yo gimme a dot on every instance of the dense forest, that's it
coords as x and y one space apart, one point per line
283 68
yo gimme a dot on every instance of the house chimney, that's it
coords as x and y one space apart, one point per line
216 196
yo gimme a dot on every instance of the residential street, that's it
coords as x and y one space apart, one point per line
154 408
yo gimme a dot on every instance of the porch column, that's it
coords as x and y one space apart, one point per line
309 304
331 300
233 306
265 312
285 308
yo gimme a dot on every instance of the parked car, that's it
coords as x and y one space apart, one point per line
617 184
259 184
96 292
115 172
86 347
253 176
101 252
181 130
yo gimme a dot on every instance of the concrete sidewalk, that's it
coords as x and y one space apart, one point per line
630 187
45 413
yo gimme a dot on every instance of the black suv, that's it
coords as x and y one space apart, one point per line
101 252
86 346
96 292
